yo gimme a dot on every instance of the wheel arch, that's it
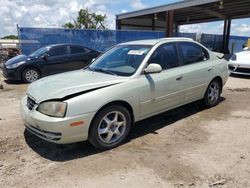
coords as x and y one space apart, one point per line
28 67
215 78
117 102
219 79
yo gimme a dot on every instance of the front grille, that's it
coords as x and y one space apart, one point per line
56 136
243 70
30 103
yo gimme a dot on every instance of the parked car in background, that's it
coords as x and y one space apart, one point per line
240 62
130 82
48 60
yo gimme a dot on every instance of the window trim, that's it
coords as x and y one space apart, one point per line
181 55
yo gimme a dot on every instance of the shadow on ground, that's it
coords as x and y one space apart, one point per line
67 152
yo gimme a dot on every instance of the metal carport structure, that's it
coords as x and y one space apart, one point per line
170 16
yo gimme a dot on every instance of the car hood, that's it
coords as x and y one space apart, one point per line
66 84
18 59
242 57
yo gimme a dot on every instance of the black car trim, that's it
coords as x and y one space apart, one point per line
84 92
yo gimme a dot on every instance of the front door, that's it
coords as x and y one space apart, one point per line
161 91
56 61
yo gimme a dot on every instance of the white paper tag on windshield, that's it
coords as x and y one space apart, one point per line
136 52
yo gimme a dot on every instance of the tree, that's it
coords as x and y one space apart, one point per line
10 37
87 20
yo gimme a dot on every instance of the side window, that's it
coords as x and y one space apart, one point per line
77 50
165 55
58 51
192 53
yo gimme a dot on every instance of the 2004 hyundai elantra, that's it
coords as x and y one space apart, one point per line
130 82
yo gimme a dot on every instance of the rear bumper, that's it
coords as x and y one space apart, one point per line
56 130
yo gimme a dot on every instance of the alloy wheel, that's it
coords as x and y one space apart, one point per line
31 75
112 127
213 92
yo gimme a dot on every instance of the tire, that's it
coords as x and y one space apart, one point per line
106 131
30 75
212 95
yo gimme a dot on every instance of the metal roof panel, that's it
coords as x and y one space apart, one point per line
166 7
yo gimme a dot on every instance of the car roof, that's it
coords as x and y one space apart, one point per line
64 44
155 41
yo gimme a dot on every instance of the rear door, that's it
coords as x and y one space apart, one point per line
79 57
196 70
56 61
161 91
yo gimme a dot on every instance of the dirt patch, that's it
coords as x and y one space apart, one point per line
187 147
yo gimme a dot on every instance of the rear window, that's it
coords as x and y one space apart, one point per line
192 53
78 50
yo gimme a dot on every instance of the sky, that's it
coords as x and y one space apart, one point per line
54 13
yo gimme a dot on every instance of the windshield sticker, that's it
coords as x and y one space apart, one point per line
136 52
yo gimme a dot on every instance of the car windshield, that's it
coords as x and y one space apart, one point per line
122 60
39 52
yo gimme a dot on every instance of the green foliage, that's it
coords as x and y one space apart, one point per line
10 37
68 25
87 20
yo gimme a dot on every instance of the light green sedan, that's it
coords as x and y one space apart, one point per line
130 82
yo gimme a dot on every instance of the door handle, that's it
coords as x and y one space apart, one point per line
209 69
179 78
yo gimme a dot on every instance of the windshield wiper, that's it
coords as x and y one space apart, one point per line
103 71
89 68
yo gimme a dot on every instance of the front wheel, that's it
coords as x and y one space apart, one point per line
212 95
30 75
110 127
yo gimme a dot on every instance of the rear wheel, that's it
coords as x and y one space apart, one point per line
30 75
110 127
212 95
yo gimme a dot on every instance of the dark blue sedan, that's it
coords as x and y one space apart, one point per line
48 60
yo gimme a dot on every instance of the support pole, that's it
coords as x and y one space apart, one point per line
118 24
169 23
224 35
227 36
153 23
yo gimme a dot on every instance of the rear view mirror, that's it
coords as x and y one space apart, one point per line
153 68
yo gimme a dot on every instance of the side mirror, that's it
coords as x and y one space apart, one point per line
153 68
93 60
45 56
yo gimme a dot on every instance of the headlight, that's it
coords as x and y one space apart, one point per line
15 65
233 58
53 108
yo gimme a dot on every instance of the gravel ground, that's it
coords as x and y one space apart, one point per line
187 147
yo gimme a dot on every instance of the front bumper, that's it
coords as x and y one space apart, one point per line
56 130
238 68
11 74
